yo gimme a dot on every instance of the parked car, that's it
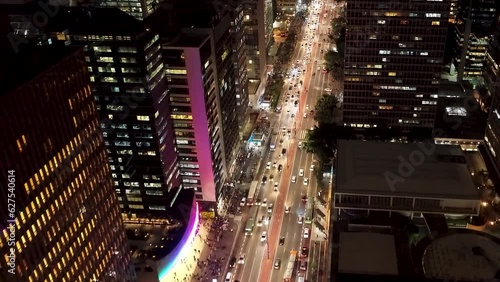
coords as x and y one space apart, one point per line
282 241
232 262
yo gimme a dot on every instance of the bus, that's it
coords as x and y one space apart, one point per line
290 266
309 211
251 192
251 220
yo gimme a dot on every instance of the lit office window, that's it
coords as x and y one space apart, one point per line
143 118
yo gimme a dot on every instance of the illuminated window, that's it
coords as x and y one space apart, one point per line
174 71
105 59
424 53
417 38
127 50
182 117
432 15
157 208
143 118
385 107
392 74
381 21
436 23
250 62
102 49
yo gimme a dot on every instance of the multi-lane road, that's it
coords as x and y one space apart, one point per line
304 84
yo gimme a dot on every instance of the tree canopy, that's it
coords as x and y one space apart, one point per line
324 108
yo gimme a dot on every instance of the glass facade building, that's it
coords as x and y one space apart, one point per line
67 220
473 27
393 58
128 83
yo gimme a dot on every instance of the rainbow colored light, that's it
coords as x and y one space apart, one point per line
183 246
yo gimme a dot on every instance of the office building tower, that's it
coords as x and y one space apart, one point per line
139 9
473 27
55 173
239 62
393 58
492 82
201 70
127 74
255 35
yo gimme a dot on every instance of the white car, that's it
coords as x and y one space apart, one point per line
306 233
305 115
268 166
270 208
301 172
294 179
263 237
243 202
264 202
306 181
312 168
242 259
328 89
287 209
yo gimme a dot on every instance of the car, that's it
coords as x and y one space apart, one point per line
303 265
292 116
306 181
304 198
328 89
264 202
305 252
300 144
260 221
294 179
280 168
268 165
296 103
306 233
287 209
281 142
311 168
275 186
305 115
263 237
307 106
275 163
311 112
229 277
277 264
282 241
264 179
242 259
271 177
283 152
301 172
257 202
300 220
267 220
232 262
270 208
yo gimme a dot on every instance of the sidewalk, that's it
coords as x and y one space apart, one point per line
205 258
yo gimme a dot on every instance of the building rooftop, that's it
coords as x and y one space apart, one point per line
187 40
366 167
97 21
463 256
367 253
17 69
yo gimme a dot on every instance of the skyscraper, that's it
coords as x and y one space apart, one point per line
393 58
202 71
255 35
139 9
492 82
127 74
473 26
60 194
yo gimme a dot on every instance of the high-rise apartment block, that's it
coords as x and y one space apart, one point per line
393 58
57 188
473 27
128 83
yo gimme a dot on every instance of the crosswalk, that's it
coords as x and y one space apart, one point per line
301 134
